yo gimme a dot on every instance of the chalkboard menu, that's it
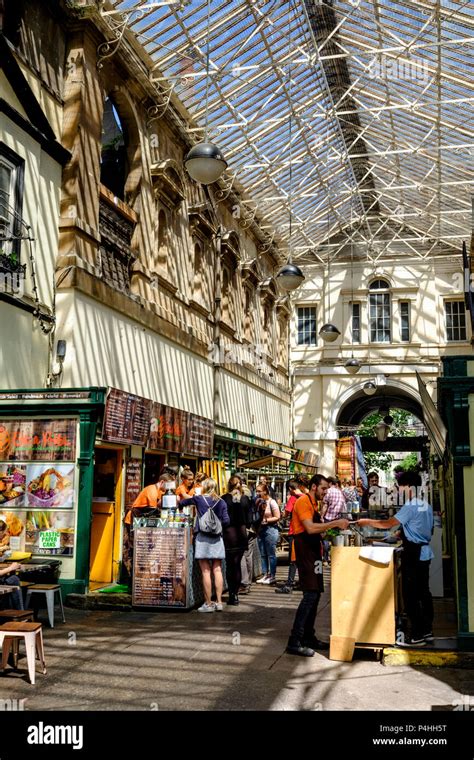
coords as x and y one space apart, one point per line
160 567
133 481
127 418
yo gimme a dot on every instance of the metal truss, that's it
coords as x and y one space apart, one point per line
380 95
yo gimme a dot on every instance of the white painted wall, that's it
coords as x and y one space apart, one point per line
321 383
106 348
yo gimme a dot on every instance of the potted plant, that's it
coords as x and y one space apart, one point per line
333 535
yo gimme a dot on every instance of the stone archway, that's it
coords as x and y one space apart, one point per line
354 405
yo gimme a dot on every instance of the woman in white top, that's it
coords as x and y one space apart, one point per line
268 534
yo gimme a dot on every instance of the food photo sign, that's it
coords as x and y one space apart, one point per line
37 491
50 533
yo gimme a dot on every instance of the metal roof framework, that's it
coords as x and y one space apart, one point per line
351 118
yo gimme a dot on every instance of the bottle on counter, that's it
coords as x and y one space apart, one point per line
169 500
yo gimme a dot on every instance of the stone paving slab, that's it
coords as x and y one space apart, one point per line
234 660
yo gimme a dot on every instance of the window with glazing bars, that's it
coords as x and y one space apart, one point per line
307 326
405 321
356 322
455 320
379 312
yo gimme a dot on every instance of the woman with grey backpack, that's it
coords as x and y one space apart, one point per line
211 518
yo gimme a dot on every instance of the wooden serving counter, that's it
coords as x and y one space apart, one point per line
363 601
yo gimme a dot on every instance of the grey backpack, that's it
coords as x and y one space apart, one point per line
209 523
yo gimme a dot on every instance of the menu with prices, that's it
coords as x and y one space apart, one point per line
127 418
160 567
133 481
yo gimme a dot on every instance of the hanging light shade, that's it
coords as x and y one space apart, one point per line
382 430
369 388
388 419
289 277
205 163
352 366
329 333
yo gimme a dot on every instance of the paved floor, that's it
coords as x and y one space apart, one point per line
225 661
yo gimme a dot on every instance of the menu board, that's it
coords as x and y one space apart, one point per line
201 437
127 418
133 481
160 567
175 430
38 440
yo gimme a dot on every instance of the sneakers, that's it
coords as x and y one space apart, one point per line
244 590
409 642
219 606
263 579
428 636
208 607
269 580
284 590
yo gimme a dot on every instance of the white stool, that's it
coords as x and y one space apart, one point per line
31 633
49 590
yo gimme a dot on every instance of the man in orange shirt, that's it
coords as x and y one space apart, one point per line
151 495
308 527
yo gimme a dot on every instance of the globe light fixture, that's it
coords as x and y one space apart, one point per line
388 419
329 333
205 163
352 365
369 388
289 277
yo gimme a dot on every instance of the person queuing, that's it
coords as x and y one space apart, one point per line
334 502
186 489
253 522
209 549
235 536
267 534
416 520
294 492
308 528
263 481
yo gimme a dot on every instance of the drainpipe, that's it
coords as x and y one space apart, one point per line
216 353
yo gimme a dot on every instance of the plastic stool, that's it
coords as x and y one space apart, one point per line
31 633
49 590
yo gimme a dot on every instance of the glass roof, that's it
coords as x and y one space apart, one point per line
351 118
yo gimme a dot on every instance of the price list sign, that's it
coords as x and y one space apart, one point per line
160 567
127 418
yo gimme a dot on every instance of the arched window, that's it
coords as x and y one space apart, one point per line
268 328
113 160
380 313
226 279
162 240
198 273
248 331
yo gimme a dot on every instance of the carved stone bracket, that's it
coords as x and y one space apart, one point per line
168 183
201 222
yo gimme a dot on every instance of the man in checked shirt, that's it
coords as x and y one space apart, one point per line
334 502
